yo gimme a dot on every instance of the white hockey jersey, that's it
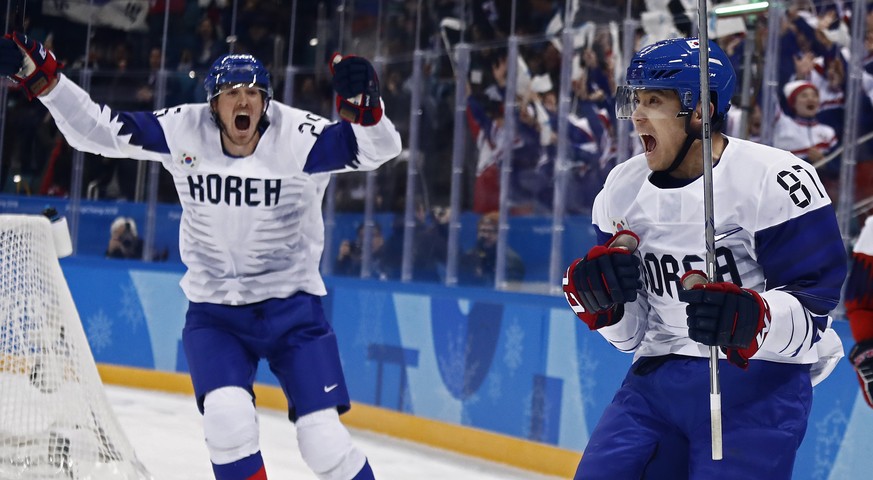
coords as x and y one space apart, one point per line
251 227
775 233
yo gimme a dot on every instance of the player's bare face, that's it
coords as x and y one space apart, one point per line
239 111
657 123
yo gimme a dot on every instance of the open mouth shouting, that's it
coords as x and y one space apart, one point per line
649 143
242 121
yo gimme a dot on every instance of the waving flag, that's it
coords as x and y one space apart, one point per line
120 14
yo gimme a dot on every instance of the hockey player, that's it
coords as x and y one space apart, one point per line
251 174
859 309
780 265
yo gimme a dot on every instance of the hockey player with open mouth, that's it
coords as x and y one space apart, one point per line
251 174
779 265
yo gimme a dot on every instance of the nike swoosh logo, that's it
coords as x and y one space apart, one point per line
328 389
722 236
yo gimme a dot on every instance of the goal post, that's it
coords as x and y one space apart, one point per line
55 419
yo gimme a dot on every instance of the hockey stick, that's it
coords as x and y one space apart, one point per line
709 227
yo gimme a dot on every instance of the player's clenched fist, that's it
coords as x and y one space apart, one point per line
724 315
357 87
28 63
598 285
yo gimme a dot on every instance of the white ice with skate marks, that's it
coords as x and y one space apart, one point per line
165 430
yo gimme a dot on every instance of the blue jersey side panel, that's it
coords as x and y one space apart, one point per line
805 256
335 149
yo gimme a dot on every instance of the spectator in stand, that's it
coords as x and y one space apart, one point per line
311 97
397 99
827 34
486 120
864 167
124 241
208 43
753 123
257 20
800 132
350 257
591 139
429 246
591 153
177 31
478 265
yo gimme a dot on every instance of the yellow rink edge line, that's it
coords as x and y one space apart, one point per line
516 452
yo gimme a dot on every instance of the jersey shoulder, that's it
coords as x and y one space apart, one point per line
758 156
777 186
620 190
298 126
179 119
286 116
634 171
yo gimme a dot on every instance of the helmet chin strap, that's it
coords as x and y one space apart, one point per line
690 136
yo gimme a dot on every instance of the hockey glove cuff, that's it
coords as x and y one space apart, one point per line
861 357
725 315
357 87
37 67
597 286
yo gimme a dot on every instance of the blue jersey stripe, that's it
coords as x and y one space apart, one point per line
805 257
335 149
144 130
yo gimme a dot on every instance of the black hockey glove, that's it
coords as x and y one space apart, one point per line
861 357
725 315
357 88
598 285
27 63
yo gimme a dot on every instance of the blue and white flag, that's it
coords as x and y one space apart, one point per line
120 14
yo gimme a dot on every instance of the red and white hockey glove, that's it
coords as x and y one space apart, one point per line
28 63
724 315
357 87
598 286
861 357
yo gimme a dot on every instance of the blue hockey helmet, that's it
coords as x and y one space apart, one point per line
674 64
240 71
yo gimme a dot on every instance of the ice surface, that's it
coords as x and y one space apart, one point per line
166 433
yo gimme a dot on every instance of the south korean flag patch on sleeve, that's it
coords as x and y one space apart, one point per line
619 224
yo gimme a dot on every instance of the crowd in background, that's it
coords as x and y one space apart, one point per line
125 65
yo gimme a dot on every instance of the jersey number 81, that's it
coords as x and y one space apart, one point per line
795 186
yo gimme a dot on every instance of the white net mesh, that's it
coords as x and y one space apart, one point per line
55 419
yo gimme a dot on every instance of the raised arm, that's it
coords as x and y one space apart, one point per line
365 138
86 125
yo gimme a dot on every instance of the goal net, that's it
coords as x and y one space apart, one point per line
55 418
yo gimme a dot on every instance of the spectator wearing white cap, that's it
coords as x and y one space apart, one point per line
799 131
